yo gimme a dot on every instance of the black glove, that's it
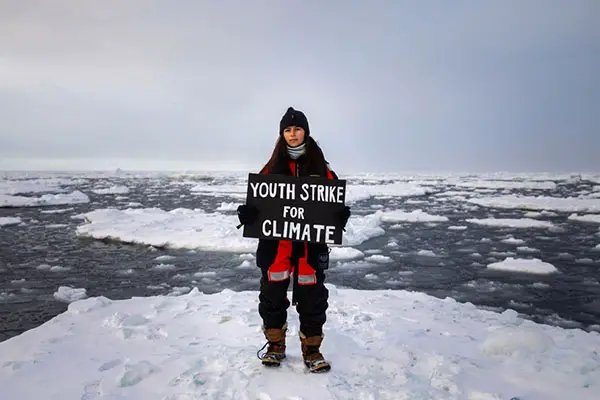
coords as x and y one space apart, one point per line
343 216
247 214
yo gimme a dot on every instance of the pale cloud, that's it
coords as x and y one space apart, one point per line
391 85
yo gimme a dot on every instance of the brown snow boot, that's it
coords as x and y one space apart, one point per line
313 359
276 350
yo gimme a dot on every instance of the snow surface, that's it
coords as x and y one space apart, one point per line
566 204
381 344
75 197
5 221
531 266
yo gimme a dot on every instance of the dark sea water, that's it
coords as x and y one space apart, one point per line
455 268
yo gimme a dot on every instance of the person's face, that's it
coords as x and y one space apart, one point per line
293 135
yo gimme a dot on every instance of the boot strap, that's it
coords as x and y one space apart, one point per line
268 354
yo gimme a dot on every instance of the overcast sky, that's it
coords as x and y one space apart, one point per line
386 85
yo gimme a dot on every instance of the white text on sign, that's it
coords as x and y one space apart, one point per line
293 212
308 191
297 231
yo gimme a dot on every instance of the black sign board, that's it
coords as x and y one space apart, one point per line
296 208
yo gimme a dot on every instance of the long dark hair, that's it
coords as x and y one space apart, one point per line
314 164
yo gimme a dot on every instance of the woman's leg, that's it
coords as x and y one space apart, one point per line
273 302
273 305
312 306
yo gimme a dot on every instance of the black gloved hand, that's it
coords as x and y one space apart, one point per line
247 214
343 215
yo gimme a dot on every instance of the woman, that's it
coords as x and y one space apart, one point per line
296 154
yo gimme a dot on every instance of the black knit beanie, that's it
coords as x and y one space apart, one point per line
295 118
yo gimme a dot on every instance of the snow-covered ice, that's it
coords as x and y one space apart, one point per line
413 201
227 206
381 344
511 222
565 204
246 264
57 211
593 218
502 184
501 254
539 214
540 285
165 258
356 193
116 189
362 228
6 221
231 190
163 267
179 290
178 228
378 258
344 253
194 229
412 216
454 193
50 185
512 240
53 268
527 249
69 294
530 266
52 226
532 214
392 244
75 197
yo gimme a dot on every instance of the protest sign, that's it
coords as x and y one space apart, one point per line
296 208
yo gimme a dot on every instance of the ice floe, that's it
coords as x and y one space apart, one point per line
531 266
